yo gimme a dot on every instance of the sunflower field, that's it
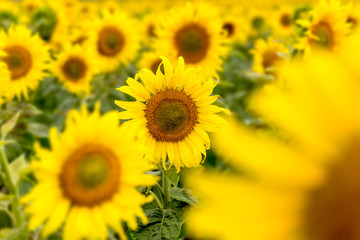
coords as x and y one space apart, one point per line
170 119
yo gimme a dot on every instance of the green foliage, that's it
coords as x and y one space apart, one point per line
164 224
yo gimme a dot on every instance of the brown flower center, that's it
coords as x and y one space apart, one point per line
151 31
229 28
192 42
90 175
110 41
74 69
155 65
285 20
325 35
171 115
18 60
333 211
269 59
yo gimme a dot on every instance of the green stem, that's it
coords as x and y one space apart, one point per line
165 188
15 204
157 200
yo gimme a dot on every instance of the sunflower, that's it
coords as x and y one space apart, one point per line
4 77
88 179
303 187
173 113
268 55
114 43
283 21
326 29
150 60
26 59
195 33
75 67
234 27
353 16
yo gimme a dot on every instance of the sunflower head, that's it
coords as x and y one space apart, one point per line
88 179
25 60
194 33
173 113
75 66
113 43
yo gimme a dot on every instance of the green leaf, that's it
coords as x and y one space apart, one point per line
183 195
9 125
14 234
39 130
16 166
163 224
172 176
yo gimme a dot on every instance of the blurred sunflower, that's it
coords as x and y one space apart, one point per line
234 27
9 14
268 54
193 32
75 66
4 76
150 60
88 180
26 59
306 188
326 28
173 113
114 43
283 21
353 16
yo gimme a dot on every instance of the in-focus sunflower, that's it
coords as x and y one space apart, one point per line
75 66
268 54
88 179
304 188
26 59
173 113
327 28
114 43
193 32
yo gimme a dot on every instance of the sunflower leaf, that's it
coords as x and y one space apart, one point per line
164 224
14 234
183 195
17 166
172 176
9 125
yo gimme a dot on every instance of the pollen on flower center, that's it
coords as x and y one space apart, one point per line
171 115
90 175
111 41
333 209
74 68
192 42
324 34
229 28
18 60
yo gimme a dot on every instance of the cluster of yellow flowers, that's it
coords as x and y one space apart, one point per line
295 177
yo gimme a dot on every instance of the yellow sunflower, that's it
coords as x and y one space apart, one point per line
353 16
304 188
268 54
150 60
26 59
283 21
327 28
114 43
75 66
173 113
4 77
193 32
235 29
88 179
